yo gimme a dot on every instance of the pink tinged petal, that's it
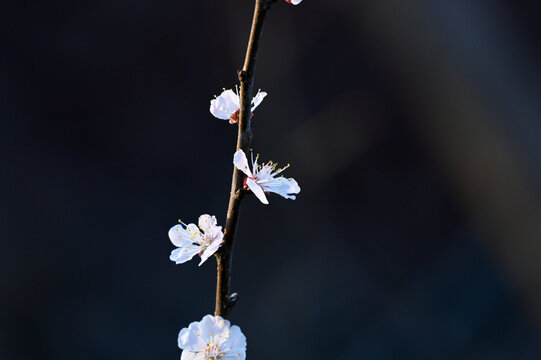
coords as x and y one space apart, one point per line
257 190
206 221
183 254
206 254
191 338
214 232
224 105
258 98
211 249
179 236
214 327
241 162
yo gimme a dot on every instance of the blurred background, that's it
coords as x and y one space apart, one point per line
413 128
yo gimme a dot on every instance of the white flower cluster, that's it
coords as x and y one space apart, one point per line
261 179
213 338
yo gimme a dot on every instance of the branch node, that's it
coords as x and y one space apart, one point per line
243 76
239 193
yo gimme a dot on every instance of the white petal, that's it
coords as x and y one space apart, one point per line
241 162
206 221
179 236
296 2
191 338
257 190
195 234
235 345
258 98
214 232
183 254
188 355
193 229
214 326
225 105
241 355
282 186
212 248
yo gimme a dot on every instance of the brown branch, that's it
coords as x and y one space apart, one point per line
224 300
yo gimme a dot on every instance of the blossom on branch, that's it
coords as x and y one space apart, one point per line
262 178
212 338
191 240
227 105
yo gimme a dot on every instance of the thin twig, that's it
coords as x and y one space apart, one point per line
224 300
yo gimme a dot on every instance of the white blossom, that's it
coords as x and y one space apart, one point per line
227 105
262 178
294 2
191 240
212 338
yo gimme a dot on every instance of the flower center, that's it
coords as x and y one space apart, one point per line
245 184
205 242
212 352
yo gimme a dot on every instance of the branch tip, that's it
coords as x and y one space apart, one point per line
231 302
233 298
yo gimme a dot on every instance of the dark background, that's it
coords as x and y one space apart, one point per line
413 128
